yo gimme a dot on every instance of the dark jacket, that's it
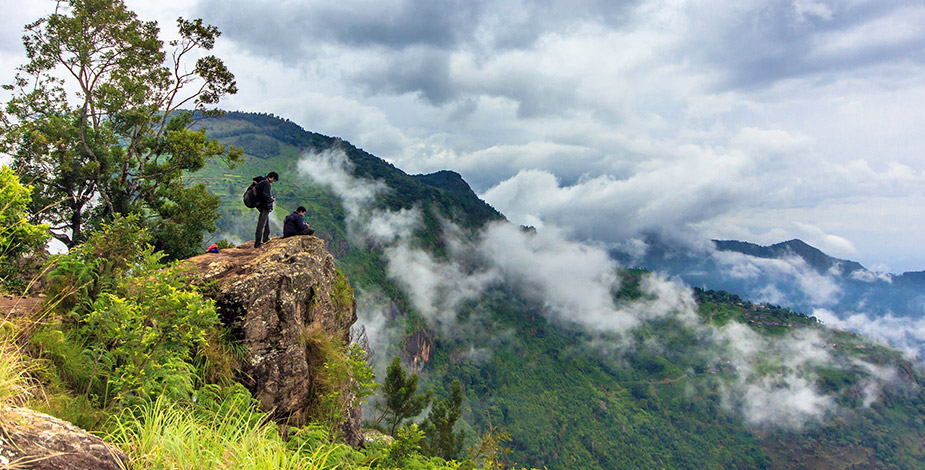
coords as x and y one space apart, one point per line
295 225
264 196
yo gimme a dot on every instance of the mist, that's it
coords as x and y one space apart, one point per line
575 283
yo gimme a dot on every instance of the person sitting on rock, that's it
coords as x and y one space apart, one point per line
295 224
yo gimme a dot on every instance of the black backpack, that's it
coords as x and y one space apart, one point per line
250 196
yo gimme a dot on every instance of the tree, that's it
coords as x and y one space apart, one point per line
440 440
17 235
101 122
400 397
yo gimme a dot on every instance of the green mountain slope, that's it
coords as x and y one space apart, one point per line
719 383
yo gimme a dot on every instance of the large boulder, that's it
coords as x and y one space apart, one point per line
33 440
278 301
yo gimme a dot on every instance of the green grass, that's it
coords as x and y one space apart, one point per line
162 435
14 376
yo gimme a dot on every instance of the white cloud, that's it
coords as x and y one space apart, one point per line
575 281
904 333
818 288
872 276
437 288
786 399
790 402
831 244
807 8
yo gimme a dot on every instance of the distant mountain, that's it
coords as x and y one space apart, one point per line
916 278
813 256
705 380
799 276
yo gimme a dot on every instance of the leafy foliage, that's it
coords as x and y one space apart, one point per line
136 325
342 378
120 145
17 235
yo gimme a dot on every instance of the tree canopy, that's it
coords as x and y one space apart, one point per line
100 122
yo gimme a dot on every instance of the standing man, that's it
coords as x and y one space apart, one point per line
265 206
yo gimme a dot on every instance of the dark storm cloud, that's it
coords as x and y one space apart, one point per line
745 45
757 45
413 40
270 26
403 23
421 70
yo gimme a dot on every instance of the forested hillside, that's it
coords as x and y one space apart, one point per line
583 364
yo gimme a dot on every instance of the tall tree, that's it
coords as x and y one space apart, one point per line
439 438
95 122
401 400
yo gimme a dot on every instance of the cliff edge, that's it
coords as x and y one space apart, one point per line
275 300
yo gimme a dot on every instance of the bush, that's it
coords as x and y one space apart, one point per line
17 235
132 326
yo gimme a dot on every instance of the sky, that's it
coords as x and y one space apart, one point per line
750 120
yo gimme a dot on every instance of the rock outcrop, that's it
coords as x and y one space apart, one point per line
278 300
29 439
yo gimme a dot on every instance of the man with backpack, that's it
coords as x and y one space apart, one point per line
295 224
259 197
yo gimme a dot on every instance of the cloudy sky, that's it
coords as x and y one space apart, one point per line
753 120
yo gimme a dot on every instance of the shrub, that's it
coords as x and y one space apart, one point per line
132 325
17 235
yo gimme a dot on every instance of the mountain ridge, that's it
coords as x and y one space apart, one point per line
812 255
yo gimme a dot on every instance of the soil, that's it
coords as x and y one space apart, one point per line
15 306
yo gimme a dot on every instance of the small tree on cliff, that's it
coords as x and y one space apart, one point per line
94 122
401 401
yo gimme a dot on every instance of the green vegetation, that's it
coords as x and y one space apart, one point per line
135 353
440 438
17 236
129 327
400 398
121 145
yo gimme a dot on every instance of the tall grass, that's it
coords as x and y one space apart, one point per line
163 435
14 376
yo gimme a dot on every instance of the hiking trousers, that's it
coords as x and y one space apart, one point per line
262 235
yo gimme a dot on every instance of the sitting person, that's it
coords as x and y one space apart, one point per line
295 224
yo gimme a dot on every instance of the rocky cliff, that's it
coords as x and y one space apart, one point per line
277 301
